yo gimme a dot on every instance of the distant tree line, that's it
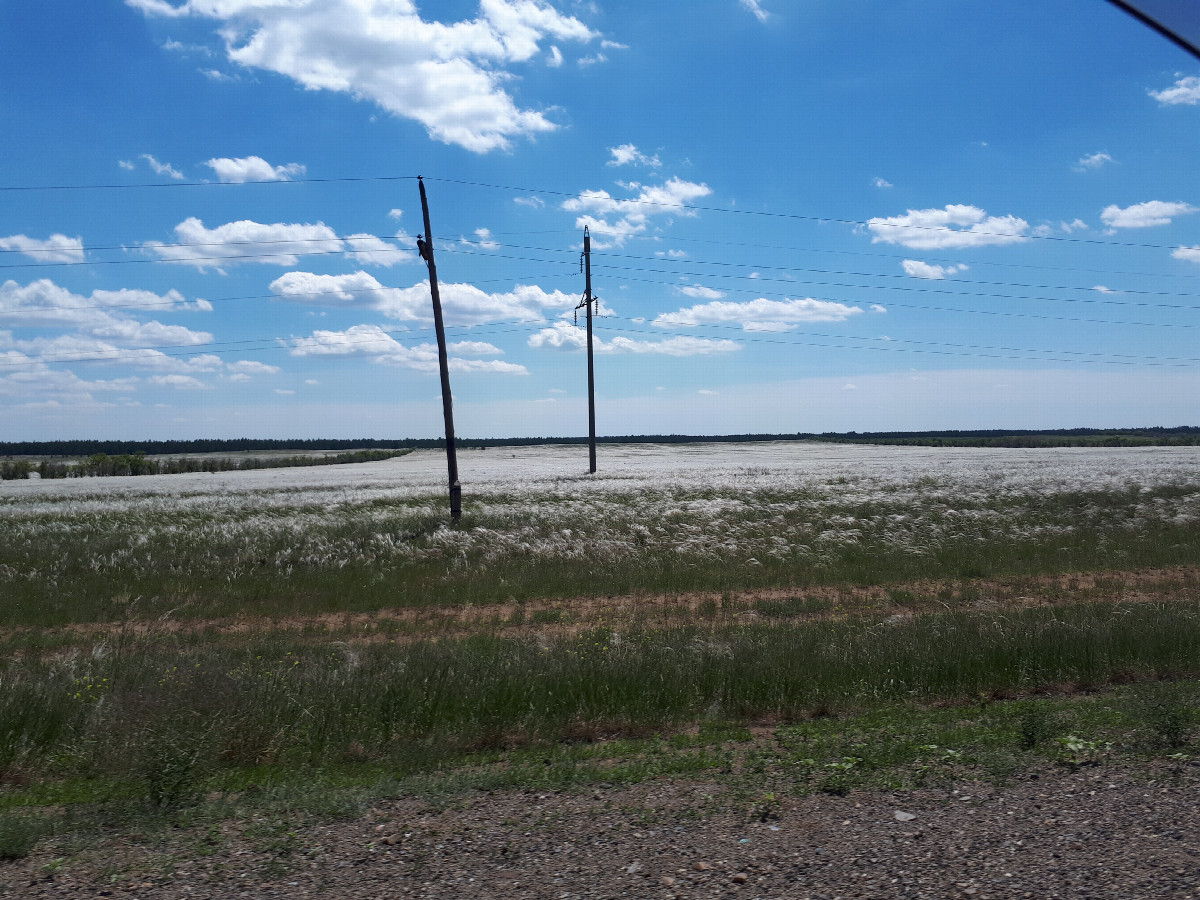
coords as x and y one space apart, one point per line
1184 436
139 464
1059 437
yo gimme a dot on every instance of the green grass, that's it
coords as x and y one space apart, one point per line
889 746
141 726
173 712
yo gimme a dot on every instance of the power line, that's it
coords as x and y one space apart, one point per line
948 348
876 222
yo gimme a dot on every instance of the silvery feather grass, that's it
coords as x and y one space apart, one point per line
655 519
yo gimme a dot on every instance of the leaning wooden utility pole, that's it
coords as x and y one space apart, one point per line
425 246
587 301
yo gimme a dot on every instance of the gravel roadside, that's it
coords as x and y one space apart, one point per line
1102 832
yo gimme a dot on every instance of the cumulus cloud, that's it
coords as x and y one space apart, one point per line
252 168
181 382
24 378
277 244
462 304
957 225
704 293
1192 254
370 250
918 269
253 367
629 155
881 182
449 77
759 315
618 220
1144 215
373 342
1184 91
43 304
565 336
58 248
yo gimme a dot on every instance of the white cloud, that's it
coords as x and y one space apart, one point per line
565 336
619 220
704 293
253 367
1192 254
462 304
182 382
244 241
554 59
955 226
755 7
881 182
24 378
918 269
485 239
875 307
42 304
531 202
162 168
629 155
369 250
1185 91
373 342
1144 215
478 348
759 315
58 248
252 168
448 77
1092 161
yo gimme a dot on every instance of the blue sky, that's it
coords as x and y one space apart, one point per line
806 216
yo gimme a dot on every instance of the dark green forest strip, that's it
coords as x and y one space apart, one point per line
101 464
1058 437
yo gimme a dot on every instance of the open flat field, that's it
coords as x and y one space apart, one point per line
279 671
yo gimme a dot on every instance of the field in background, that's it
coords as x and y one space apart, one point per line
886 615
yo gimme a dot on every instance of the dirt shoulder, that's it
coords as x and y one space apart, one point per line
1096 832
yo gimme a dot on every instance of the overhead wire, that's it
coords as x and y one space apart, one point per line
953 349
875 222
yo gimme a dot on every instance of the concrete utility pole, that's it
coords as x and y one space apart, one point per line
425 247
587 301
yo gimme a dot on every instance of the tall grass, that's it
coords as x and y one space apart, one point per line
172 712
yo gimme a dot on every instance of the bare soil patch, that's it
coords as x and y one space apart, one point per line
1095 832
